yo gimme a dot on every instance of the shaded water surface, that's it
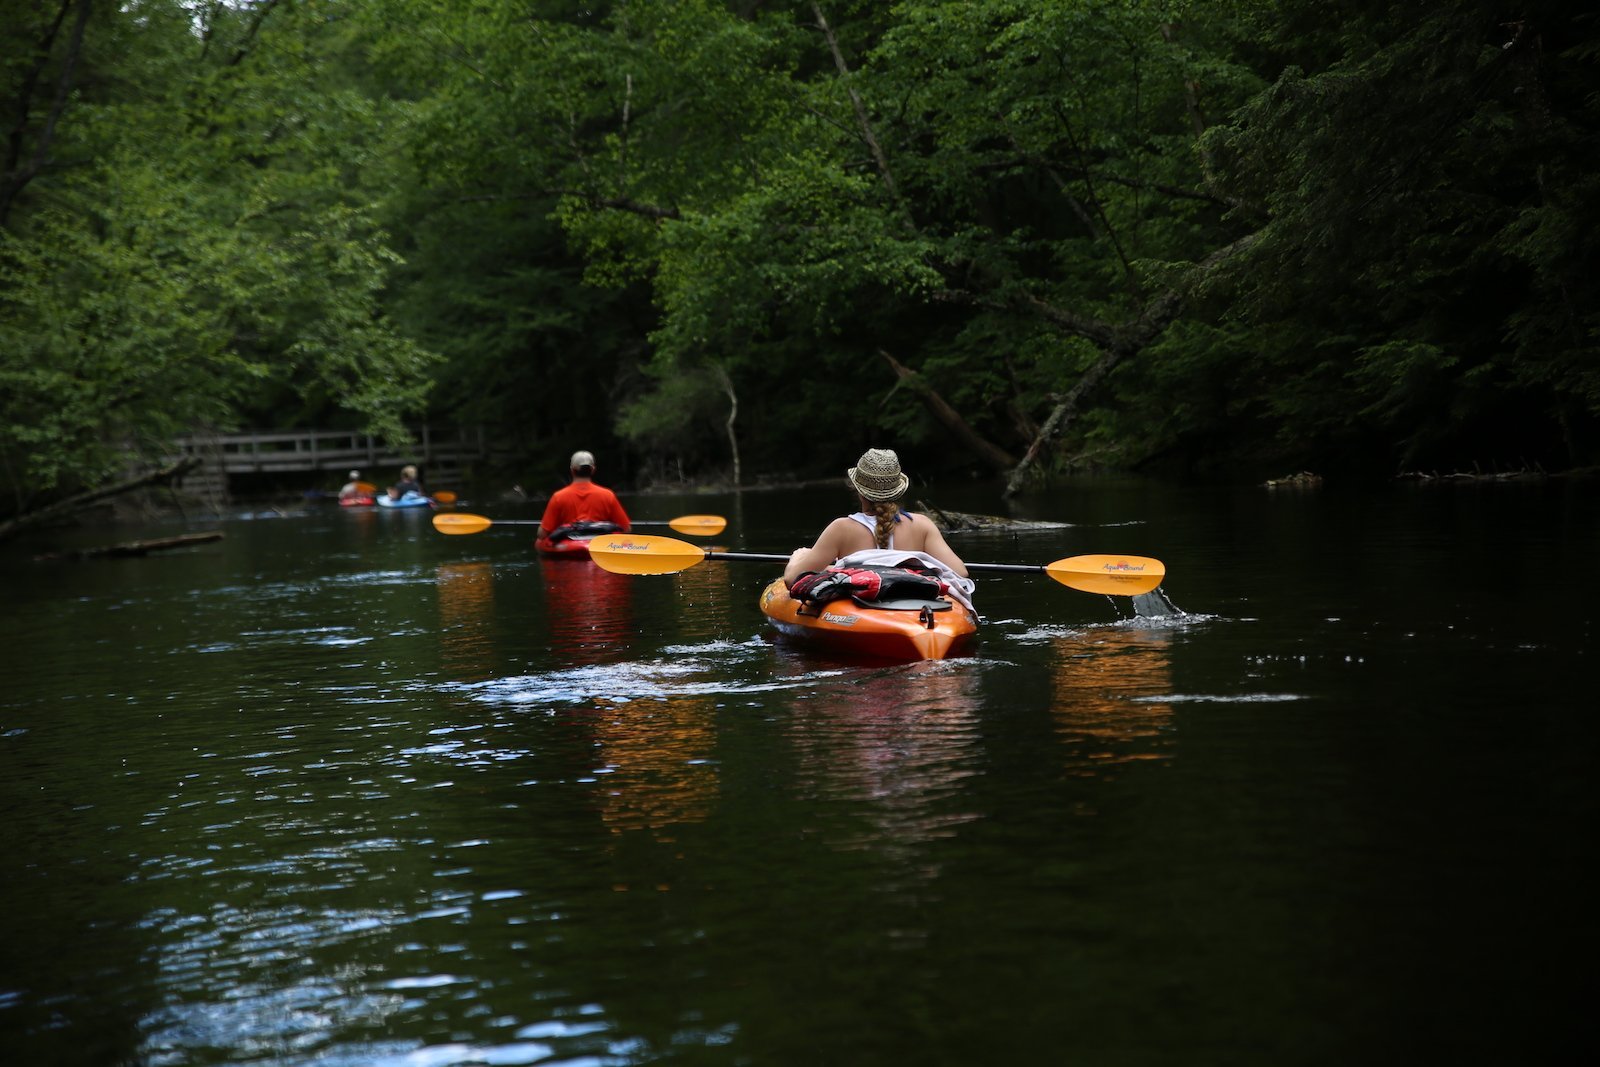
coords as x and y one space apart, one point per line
340 790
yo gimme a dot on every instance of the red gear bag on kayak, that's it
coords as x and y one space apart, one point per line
866 584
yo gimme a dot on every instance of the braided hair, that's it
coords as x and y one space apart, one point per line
885 512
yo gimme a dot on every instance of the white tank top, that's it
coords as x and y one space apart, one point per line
871 523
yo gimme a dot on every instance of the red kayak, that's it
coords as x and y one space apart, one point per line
357 501
904 630
572 541
572 548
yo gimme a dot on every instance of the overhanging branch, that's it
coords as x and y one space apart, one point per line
993 456
1120 343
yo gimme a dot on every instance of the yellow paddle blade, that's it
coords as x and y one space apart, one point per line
1112 575
636 554
444 496
461 524
699 525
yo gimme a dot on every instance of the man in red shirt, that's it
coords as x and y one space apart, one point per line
582 501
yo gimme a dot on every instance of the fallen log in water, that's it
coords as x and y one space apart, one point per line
962 522
1302 480
61 508
136 548
1473 476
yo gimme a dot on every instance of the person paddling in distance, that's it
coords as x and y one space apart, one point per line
353 488
583 500
407 484
880 525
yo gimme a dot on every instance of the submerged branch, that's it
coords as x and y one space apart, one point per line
135 548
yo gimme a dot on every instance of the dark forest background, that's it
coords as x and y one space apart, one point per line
747 239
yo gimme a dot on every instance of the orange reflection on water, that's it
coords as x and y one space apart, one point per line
1108 683
466 607
902 740
659 759
590 611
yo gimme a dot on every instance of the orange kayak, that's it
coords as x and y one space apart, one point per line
936 629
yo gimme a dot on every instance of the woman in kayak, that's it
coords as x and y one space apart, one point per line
407 484
881 523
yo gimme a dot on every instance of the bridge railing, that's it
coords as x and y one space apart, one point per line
302 450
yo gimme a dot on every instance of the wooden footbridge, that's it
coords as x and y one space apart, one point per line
439 451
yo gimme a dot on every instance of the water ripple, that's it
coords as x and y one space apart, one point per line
689 673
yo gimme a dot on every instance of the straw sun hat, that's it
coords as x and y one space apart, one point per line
877 475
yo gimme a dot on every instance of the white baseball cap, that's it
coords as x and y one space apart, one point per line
581 459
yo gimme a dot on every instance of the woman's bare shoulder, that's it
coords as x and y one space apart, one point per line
836 527
929 538
837 530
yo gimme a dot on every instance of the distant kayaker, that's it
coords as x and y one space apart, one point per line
880 524
583 500
353 488
407 484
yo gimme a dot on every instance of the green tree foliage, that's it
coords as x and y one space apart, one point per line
186 234
804 189
1017 234
490 281
1263 232
1421 292
673 421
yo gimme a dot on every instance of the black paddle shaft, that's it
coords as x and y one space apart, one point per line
1029 567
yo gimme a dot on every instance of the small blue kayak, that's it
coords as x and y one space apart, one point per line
410 500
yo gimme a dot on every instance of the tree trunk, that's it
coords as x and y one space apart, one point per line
1061 417
879 158
60 508
733 416
1116 343
20 172
992 455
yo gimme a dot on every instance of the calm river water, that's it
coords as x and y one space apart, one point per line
339 790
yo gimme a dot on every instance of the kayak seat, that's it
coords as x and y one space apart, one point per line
904 604
582 530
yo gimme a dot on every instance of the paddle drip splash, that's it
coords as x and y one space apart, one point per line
1153 605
